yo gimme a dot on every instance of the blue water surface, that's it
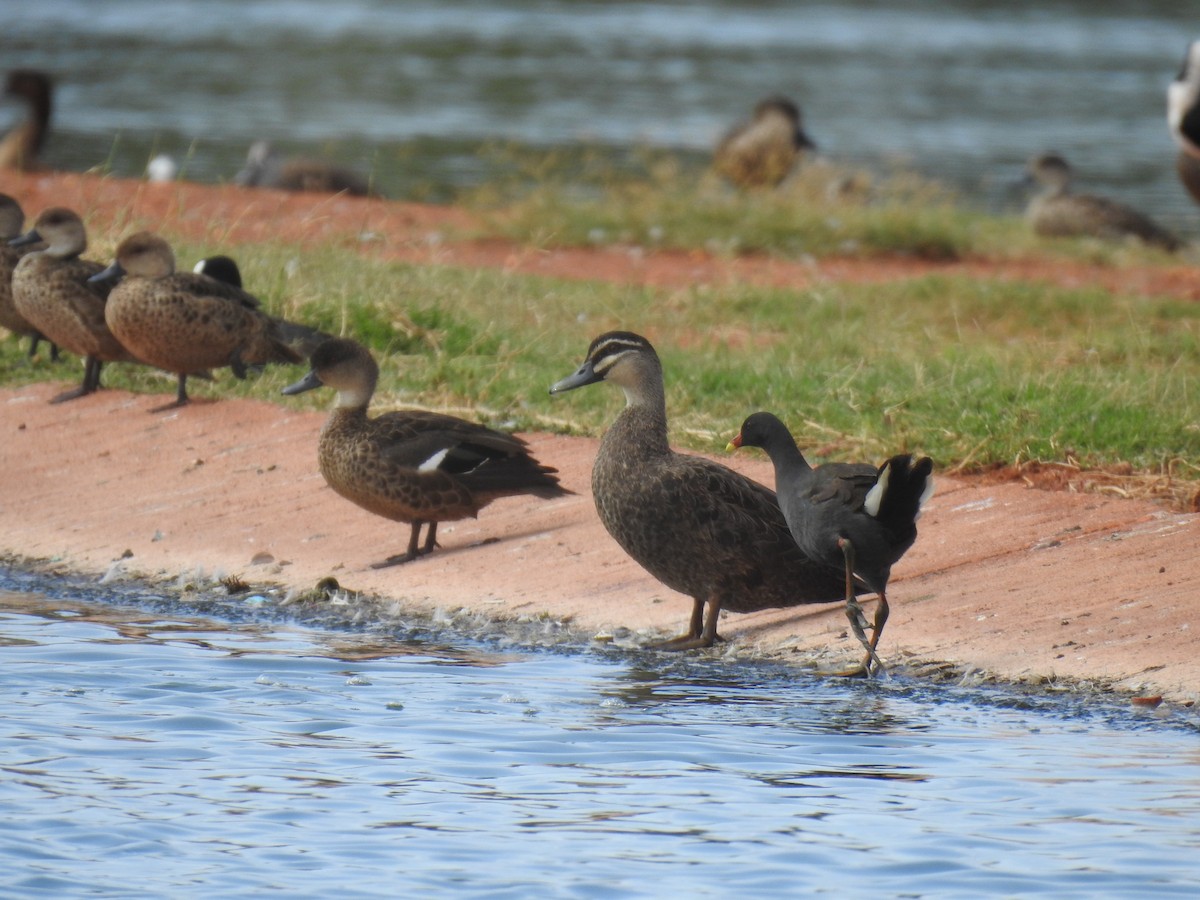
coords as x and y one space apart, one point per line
155 752
957 89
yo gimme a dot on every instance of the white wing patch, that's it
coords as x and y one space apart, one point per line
434 462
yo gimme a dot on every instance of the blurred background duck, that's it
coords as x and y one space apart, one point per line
12 221
413 466
266 168
852 517
1056 212
763 151
697 526
21 146
1183 119
189 323
51 289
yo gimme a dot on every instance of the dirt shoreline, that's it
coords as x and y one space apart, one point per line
1005 582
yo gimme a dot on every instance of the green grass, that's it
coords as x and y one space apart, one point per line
658 199
968 370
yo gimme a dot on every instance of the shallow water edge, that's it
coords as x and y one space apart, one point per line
329 607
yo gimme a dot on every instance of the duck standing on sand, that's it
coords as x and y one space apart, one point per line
12 220
185 322
52 291
265 168
21 147
853 518
413 466
1183 119
1056 212
763 151
697 526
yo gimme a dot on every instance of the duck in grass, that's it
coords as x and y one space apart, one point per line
12 221
266 168
52 290
1056 212
21 146
853 518
697 526
188 323
763 151
410 465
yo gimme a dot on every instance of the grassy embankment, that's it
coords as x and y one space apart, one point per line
973 371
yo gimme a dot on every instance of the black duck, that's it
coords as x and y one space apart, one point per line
856 519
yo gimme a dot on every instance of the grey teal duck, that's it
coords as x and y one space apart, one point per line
409 465
764 150
856 519
22 145
51 289
265 168
1183 119
697 526
1056 212
12 221
186 322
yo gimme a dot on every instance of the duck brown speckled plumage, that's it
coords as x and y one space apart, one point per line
12 220
1056 212
21 146
765 149
697 526
187 322
51 290
413 466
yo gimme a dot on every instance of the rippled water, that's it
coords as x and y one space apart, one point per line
149 751
960 89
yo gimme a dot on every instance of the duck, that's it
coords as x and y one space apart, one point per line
266 168
1183 119
854 518
12 222
187 323
1056 212
51 289
696 525
412 466
22 145
762 151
